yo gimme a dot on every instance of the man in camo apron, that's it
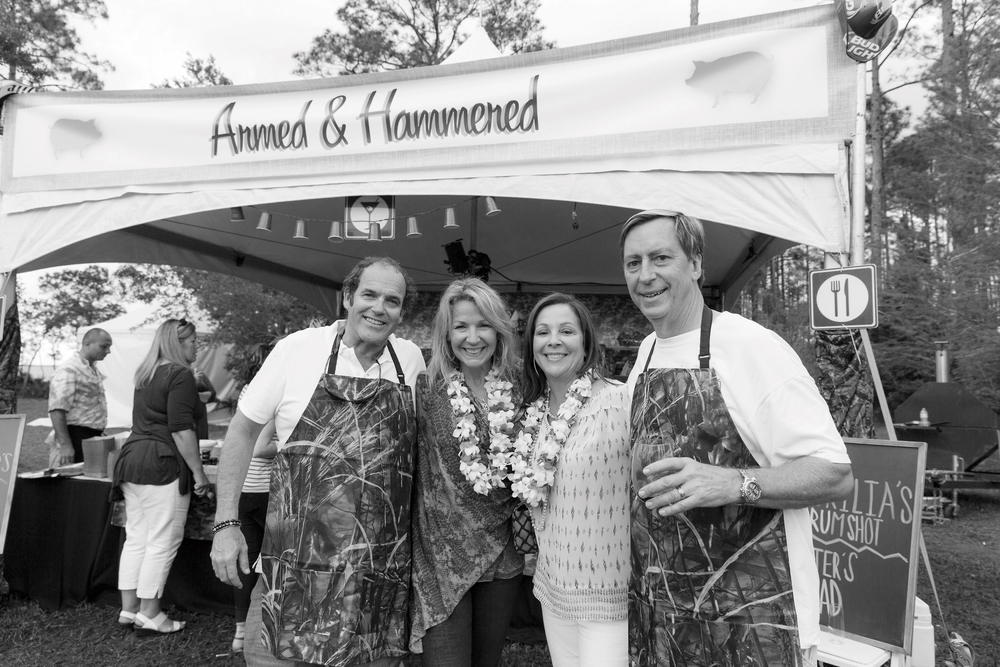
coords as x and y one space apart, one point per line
336 554
722 562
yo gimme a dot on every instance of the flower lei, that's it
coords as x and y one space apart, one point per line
531 475
484 471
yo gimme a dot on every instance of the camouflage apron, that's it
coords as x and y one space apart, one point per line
336 551
710 586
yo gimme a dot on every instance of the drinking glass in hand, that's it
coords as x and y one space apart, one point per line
644 453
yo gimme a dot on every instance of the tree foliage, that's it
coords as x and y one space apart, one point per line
198 72
70 300
398 34
39 46
241 313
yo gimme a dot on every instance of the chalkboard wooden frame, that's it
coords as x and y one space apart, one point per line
875 584
11 433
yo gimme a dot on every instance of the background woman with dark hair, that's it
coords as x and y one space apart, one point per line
156 471
571 465
466 573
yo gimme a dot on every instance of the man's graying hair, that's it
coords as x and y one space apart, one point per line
690 233
353 279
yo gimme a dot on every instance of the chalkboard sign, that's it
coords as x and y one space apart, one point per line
11 432
866 546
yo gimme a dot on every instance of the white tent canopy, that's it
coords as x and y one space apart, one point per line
741 123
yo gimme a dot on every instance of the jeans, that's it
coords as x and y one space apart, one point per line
474 634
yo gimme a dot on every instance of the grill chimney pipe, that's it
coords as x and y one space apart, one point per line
942 366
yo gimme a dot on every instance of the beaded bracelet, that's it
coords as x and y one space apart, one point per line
225 524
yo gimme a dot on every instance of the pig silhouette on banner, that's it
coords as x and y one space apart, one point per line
68 134
742 74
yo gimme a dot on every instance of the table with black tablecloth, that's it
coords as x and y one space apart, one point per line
62 549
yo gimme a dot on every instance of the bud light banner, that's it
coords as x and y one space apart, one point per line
869 27
760 81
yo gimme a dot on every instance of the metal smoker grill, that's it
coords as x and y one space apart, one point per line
961 433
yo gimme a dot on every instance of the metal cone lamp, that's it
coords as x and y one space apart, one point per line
412 230
336 232
300 230
492 210
265 222
449 218
236 214
374 231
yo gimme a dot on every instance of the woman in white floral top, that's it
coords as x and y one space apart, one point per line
571 465
466 573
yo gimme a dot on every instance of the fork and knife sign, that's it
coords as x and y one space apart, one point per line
836 286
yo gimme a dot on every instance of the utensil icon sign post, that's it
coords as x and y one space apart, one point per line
845 297
840 295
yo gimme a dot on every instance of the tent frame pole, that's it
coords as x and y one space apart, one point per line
858 172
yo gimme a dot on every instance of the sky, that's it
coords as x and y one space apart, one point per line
253 42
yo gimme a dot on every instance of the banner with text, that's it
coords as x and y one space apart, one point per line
765 80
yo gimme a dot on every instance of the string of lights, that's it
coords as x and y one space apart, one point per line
338 226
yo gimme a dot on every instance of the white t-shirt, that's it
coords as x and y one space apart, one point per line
779 413
282 388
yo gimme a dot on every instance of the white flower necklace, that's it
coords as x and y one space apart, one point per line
533 460
485 471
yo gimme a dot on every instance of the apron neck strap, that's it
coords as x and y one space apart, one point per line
331 366
395 362
704 356
706 334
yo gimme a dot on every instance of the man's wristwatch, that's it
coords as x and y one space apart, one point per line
750 490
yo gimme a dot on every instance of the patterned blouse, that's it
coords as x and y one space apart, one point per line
459 536
583 548
78 388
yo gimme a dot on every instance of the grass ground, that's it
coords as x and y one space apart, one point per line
964 554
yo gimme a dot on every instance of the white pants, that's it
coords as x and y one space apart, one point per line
586 643
154 528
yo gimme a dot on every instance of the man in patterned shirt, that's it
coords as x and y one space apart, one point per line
77 404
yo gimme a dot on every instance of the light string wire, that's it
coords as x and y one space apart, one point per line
275 215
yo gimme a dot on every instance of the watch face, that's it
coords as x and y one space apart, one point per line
750 490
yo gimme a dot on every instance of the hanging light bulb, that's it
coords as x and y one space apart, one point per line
412 230
300 230
336 232
449 218
265 222
236 214
374 230
492 210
